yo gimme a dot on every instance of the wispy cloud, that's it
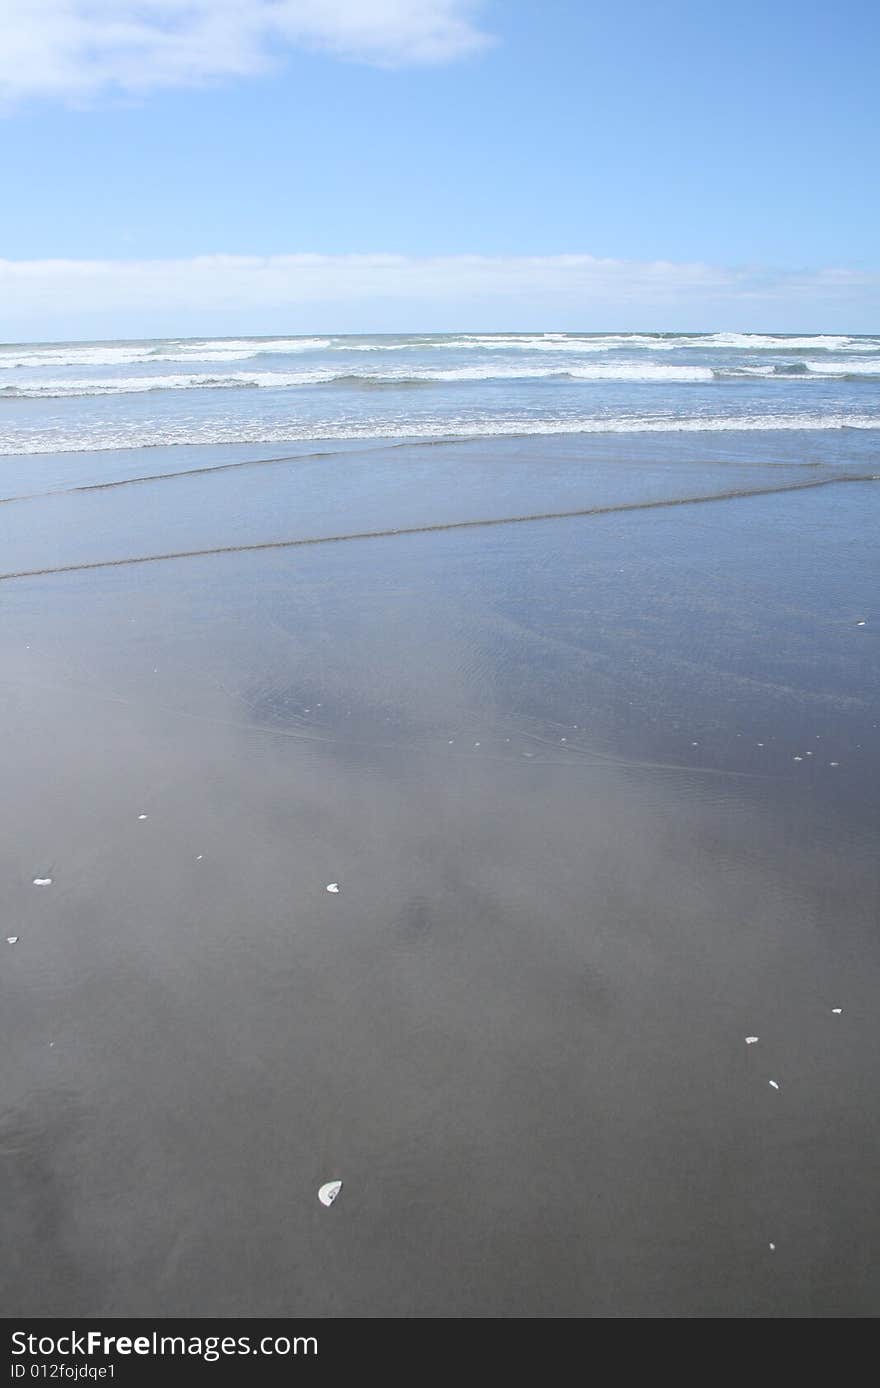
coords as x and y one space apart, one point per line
77 48
385 292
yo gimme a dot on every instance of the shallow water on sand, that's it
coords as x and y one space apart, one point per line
600 797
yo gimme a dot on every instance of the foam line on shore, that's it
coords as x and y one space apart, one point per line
735 494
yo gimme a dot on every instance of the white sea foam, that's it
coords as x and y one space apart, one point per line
863 366
606 342
59 388
558 342
139 385
183 356
238 350
98 354
134 434
255 344
648 371
86 355
734 371
761 342
619 371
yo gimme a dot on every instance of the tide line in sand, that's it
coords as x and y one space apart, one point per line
733 494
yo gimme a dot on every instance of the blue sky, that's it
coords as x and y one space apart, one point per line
741 139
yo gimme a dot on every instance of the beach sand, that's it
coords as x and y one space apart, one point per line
600 797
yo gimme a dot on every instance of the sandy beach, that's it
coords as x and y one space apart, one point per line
599 795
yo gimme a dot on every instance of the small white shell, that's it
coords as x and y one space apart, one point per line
42 881
333 887
12 939
773 1084
837 1011
750 1040
328 1193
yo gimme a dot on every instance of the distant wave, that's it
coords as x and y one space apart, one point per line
134 434
612 342
96 355
559 342
869 366
139 385
762 343
102 355
632 372
785 369
254 344
864 369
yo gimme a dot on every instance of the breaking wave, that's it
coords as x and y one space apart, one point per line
134 434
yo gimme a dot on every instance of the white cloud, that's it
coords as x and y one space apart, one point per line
76 48
363 293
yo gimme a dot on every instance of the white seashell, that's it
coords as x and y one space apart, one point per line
42 881
333 887
773 1084
12 939
328 1193
750 1040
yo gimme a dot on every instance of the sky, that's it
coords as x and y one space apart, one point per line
228 166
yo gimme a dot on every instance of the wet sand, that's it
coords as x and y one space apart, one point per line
600 795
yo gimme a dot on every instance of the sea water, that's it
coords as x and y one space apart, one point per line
64 397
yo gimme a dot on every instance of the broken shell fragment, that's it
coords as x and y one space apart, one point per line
328 1193
333 887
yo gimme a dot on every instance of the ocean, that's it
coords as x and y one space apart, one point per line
63 397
